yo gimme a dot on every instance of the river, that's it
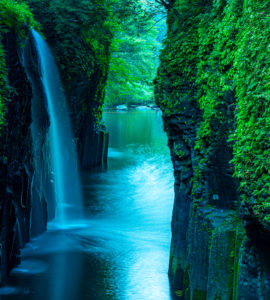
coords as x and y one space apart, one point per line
120 250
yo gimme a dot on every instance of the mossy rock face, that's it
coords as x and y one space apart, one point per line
3 86
199 295
224 258
209 58
15 17
252 146
215 62
79 34
84 70
179 293
22 191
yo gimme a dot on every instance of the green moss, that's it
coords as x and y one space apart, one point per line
16 16
176 74
186 285
229 236
216 56
251 137
79 34
3 86
239 237
199 295
180 153
174 265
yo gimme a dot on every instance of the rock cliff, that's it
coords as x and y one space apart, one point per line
80 36
22 185
27 197
213 104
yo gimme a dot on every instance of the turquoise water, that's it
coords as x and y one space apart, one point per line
120 250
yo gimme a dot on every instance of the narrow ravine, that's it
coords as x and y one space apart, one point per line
121 249
96 201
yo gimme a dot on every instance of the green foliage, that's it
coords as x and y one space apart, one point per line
252 135
214 76
217 32
134 59
79 34
3 86
14 15
179 59
216 56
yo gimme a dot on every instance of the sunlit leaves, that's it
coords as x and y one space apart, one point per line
134 59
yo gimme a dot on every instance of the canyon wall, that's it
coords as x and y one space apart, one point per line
80 36
212 86
23 187
26 181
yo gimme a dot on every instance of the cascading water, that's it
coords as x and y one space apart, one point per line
63 150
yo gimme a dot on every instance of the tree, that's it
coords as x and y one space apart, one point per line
135 52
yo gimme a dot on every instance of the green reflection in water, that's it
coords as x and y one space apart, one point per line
135 127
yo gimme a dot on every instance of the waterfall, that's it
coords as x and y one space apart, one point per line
67 185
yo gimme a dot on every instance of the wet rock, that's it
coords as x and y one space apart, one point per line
17 163
219 249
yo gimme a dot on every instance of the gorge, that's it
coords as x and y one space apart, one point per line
212 87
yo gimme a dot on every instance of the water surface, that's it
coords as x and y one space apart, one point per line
120 251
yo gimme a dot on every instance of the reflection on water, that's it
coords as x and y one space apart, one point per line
120 251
